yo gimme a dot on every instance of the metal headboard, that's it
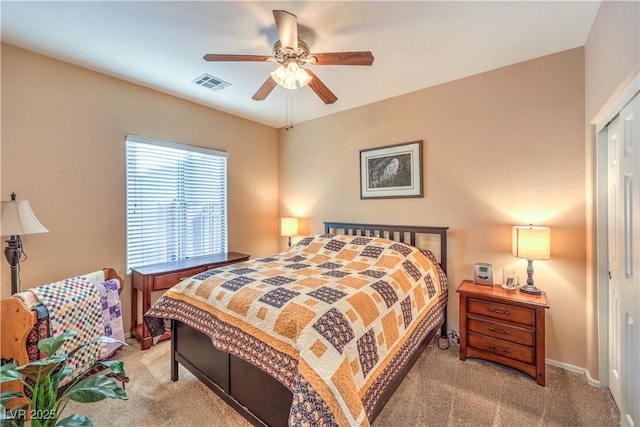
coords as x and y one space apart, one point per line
400 233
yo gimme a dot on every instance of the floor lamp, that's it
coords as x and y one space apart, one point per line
17 218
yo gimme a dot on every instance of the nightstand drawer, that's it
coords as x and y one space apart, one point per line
509 313
504 331
165 281
502 348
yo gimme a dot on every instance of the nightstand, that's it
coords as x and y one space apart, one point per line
162 276
503 326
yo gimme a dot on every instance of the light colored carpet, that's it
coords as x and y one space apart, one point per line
440 390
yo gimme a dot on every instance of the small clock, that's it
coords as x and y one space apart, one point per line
483 274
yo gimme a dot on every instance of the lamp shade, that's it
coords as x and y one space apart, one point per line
289 226
18 218
531 242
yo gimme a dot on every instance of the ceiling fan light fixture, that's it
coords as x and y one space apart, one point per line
289 83
279 75
303 77
291 76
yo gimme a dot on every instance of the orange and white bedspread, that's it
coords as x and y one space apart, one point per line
334 318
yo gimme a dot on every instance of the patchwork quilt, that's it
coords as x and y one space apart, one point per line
74 305
67 294
334 319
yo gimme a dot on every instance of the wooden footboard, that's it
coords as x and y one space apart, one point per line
250 391
254 394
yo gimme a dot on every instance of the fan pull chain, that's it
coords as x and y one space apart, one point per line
289 119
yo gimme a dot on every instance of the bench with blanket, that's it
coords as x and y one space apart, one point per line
89 304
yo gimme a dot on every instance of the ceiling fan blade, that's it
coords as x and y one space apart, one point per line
341 58
287 24
264 90
223 57
321 89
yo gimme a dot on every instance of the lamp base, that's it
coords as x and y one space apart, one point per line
13 253
530 289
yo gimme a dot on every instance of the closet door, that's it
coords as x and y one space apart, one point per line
623 136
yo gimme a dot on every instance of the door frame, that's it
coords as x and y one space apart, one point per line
602 236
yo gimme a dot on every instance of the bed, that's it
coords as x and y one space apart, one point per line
328 342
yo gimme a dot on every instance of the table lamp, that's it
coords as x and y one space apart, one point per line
531 243
289 227
17 218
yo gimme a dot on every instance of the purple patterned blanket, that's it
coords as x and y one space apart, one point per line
111 314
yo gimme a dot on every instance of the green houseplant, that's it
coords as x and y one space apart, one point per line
48 398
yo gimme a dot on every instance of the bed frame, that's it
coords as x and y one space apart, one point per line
256 395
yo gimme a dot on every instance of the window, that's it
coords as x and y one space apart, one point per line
176 201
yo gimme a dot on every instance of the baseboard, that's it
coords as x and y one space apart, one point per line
576 369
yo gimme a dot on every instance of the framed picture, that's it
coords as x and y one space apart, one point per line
392 171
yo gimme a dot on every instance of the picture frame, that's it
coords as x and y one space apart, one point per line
510 281
391 171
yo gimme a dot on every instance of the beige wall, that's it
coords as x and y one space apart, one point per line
63 130
501 148
612 53
612 60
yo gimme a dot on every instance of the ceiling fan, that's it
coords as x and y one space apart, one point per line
292 54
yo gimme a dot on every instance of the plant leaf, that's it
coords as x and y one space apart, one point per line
109 340
49 346
62 374
9 372
94 389
75 420
8 395
38 369
116 366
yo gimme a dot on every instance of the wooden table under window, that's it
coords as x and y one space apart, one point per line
162 276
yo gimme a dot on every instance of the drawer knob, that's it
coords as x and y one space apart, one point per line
505 350
499 331
495 310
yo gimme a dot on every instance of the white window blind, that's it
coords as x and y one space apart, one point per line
176 201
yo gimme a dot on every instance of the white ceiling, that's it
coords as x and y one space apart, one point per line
416 44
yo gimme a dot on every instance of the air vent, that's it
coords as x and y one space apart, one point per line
211 82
